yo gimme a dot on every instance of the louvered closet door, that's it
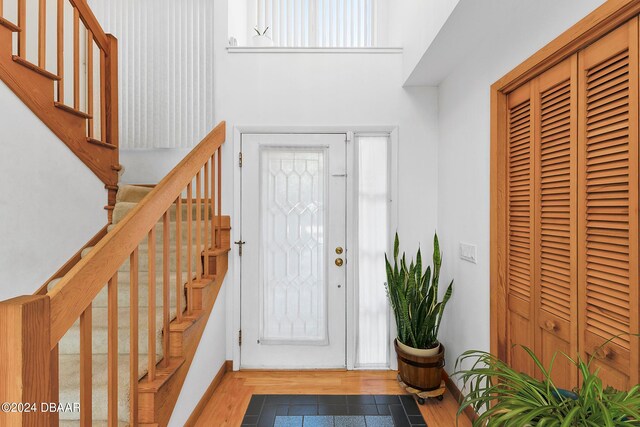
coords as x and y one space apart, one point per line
520 238
555 138
608 204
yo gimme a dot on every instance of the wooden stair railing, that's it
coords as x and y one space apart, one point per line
79 104
31 327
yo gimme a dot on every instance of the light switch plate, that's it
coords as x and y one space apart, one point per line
469 252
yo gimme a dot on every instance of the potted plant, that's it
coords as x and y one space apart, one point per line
413 294
510 398
261 39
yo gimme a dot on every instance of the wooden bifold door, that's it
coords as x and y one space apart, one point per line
568 240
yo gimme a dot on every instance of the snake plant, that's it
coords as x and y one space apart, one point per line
505 397
414 297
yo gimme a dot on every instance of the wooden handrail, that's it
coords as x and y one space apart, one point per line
91 22
79 287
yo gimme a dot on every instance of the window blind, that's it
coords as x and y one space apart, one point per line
318 23
372 341
165 51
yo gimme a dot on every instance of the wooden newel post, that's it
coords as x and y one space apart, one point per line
111 93
25 361
111 116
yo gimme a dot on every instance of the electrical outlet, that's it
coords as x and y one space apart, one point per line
469 252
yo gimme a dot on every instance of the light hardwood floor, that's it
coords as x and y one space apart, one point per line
231 398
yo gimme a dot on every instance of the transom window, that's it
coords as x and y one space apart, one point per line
305 23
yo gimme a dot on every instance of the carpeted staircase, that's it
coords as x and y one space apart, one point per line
69 347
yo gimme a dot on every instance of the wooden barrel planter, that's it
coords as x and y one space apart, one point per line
421 373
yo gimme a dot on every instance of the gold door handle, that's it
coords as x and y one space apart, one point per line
339 262
339 250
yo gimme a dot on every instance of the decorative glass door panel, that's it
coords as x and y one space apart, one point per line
293 291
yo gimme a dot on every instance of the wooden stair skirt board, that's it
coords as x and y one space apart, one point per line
36 86
565 223
227 366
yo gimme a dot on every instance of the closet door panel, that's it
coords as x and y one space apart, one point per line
520 229
555 130
608 204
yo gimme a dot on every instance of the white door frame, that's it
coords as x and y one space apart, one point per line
233 295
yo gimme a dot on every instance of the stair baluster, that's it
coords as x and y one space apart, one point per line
166 289
179 292
198 225
219 193
133 338
189 250
86 366
151 367
112 352
205 234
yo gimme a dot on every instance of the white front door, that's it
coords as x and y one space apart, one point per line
293 265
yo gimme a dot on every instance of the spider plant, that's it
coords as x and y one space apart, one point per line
510 398
414 297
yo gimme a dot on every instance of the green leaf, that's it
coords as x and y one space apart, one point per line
396 247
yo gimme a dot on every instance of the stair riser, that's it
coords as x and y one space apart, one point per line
132 193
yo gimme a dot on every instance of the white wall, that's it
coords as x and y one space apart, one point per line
50 202
205 365
463 152
418 23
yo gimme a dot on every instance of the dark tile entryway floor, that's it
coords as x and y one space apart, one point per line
287 410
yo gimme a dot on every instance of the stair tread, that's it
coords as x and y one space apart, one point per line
217 251
163 374
71 110
203 282
187 321
33 67
102 144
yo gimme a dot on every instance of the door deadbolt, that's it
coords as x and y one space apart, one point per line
339 262
339 250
